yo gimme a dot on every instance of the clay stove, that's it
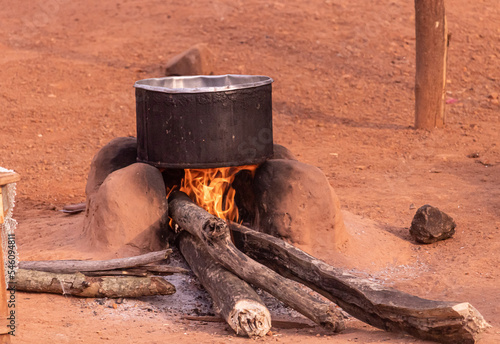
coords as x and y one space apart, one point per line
191 124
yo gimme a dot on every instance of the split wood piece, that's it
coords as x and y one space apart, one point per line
72 266
163 269
74 208
276 323
214 233
140 271
83 286
379 306
233 298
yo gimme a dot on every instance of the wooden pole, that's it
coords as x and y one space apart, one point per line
431 54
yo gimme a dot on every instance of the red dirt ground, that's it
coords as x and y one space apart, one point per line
343 101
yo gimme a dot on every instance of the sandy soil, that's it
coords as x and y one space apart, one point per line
343 101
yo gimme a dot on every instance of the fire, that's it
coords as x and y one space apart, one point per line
211 189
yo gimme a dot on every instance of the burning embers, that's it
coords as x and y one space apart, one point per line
212 189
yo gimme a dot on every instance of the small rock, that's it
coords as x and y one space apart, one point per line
493 95
100 302
430 225
197 60
120 300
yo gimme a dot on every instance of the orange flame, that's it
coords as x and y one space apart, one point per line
211 189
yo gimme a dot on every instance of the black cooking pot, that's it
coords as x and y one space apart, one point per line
204 121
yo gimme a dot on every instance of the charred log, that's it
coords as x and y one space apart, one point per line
233 298
214 233
277 323
379 306
140 271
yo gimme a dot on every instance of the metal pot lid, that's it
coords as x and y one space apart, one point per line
203 83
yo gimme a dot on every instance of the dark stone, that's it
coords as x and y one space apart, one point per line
430 225
128 210
295 201
118 153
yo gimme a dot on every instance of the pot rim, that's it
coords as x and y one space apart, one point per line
202 83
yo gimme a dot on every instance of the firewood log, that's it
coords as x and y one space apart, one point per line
85 286
214 234
233 298
276 322
72 266
141 271
377 305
